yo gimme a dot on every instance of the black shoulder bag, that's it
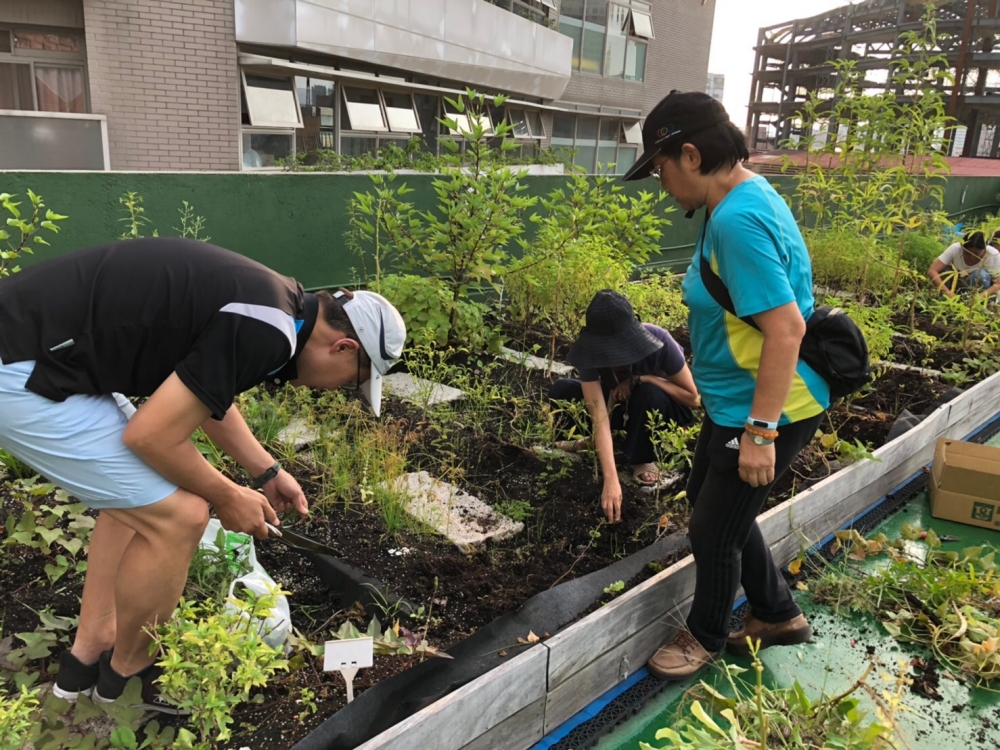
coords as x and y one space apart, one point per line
833 345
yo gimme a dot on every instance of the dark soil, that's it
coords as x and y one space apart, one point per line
465 591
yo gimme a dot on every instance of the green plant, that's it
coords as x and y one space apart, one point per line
657 299
16 716
11 250
14 467
135 216
845 451
875 162
671 442
875 323
464 240
212 660
554 286
214 567
946 601
51 633
515 510
192 225
427 306
760 716
615 588
63 524
395 640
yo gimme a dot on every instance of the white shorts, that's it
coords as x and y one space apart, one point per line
77 444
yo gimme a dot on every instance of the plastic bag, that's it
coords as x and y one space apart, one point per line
278 625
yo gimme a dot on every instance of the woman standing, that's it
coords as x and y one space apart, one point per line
762 403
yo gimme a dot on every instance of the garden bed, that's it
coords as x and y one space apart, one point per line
484 445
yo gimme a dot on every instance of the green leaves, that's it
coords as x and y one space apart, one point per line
27 229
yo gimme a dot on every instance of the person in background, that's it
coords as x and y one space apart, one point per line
762 404
969 265
190 326
627 370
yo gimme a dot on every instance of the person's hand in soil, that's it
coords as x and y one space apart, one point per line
247 512
285 494
756 462
611 501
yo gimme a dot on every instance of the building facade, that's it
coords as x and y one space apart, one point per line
244 84
716 86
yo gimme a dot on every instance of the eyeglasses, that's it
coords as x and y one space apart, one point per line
655 172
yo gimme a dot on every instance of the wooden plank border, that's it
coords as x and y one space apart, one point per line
532 694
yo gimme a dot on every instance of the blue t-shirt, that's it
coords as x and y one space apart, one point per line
665 362
753 243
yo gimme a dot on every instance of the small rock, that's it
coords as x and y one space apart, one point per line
535 363
419 391
298 433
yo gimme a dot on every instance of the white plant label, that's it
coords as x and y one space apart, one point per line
354 653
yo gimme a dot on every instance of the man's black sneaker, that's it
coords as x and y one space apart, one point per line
75 678
111 685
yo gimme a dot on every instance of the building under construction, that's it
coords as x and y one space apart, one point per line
795 59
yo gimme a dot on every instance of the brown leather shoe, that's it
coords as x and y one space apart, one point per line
787 633
680 658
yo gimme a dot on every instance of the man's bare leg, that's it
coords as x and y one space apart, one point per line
96 632
153 571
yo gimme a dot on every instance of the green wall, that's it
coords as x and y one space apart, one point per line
295 223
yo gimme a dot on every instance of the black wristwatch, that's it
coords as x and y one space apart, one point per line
266 477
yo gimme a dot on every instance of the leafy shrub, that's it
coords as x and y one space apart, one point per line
17 716
556 287
921 250
430 310
211 661
657 299
846 261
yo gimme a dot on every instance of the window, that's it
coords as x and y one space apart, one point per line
598 142
363 110
271 102
15 87
527 124
401 113
262 150
609 38
42 71
632 132
534 10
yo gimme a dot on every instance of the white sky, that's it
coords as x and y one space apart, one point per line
735 34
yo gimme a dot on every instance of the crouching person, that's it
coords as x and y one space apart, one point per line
627 370
190 326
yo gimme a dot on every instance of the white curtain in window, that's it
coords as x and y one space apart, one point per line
60 89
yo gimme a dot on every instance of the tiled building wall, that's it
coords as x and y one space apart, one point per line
676 59
165 74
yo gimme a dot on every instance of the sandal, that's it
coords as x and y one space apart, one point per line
573 446
646 470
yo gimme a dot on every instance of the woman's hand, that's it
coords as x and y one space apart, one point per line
756 462
611 500
621 393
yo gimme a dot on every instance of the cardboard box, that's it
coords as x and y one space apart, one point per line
965 483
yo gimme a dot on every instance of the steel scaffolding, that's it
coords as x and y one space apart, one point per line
795 58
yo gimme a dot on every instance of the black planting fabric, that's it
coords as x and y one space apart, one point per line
393 700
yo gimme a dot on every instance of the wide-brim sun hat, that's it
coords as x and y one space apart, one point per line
382 333
612 336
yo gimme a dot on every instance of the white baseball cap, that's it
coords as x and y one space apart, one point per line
382 333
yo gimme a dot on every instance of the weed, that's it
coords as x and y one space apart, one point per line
17 716
845 451
14 467
214 567
671 441
945 601
515 510
760 716
615 588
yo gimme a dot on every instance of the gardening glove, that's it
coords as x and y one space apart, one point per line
756 462
285 494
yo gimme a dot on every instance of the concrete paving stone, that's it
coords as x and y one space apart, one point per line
419 391
464 519
298 433
536 363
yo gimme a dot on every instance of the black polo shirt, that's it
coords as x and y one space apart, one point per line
120 318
